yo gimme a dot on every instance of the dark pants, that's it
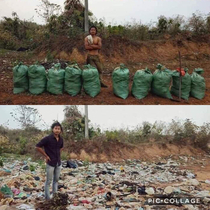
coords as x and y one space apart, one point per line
94 60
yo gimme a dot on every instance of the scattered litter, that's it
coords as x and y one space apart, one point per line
101 186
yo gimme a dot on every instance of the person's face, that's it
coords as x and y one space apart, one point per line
93 31
57 130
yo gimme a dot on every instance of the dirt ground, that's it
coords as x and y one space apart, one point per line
135 57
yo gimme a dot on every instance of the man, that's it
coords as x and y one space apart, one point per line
53 144
93 45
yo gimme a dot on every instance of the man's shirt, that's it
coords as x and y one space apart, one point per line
52 148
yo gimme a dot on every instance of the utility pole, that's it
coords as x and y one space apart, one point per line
86 16
86 122
180 77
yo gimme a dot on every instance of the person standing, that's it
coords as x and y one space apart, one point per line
53 144
93 44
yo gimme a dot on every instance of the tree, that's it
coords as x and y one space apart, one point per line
12 24
175 130
47 9
74 123
190 129
208 23
162 24
197 23
147 129
175 25
74 12
26 116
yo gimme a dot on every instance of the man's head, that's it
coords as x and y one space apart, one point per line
56 128
93 30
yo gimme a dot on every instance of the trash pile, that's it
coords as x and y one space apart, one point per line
82 185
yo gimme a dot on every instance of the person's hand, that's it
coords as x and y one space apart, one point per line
47 159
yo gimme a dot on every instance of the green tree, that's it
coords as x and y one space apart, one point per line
190 129
147 129
74 13
162 24
12 24
74 124
208 23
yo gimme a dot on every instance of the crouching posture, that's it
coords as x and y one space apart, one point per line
53 144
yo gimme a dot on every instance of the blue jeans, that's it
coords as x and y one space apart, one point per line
53 174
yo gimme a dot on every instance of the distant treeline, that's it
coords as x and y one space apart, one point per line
16 33
23 141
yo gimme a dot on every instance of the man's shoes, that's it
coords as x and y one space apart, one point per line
103 85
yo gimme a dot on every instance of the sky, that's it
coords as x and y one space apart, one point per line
116 117
114 11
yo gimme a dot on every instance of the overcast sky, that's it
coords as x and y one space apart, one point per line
114 11
110 117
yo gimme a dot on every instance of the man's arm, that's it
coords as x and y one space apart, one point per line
39 149
39 146
97 46
87 46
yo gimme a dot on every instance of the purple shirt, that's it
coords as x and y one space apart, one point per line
52 148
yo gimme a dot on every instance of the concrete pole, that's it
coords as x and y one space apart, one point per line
86 16
86 122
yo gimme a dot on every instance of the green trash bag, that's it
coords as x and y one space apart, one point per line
161 82
6 191
55 79
91 81
20 78
37 79
186 84
142 83
120 79
198 86
73 80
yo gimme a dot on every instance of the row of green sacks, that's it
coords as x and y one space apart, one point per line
159 83
36 80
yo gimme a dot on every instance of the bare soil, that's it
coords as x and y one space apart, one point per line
100 151
135 55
